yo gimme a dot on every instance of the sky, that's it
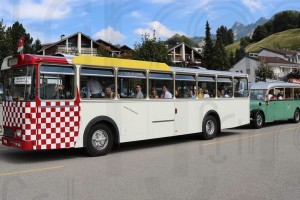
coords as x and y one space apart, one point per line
124 22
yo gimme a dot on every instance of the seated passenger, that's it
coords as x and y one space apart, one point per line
154 93
139 94
192 94
109 93
59 93
206 95
166 94
200 93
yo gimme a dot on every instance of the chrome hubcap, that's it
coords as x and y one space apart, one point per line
210 127
99 139
259 119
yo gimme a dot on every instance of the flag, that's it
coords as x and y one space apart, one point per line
20 44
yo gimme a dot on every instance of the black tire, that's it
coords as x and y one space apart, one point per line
99 140
209 128
296 118
259 120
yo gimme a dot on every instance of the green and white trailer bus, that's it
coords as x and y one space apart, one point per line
272 101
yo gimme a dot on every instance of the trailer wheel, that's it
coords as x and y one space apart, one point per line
99 140
259 120
296 118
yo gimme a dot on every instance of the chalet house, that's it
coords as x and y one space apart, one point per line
281 61
77 44
183 53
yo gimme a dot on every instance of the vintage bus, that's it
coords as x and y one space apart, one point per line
35 117
272 101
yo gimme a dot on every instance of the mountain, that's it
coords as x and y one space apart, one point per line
240 30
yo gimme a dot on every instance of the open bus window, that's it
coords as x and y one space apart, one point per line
94 83
21 84
56 82
130 83
185 86
224 87
207 84
160 81
240 87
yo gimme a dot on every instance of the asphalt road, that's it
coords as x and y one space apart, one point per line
240 163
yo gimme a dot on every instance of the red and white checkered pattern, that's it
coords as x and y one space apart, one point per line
52 125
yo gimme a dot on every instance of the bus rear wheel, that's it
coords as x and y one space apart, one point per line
99 140
209 128
296 118
258 121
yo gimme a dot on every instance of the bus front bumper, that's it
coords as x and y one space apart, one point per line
25 145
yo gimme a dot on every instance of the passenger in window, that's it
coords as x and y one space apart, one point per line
192 94
280 95
94 89
224 94
139 94
154 93
200 93
166 94
8 96
109 93
206 95
239 87
59 94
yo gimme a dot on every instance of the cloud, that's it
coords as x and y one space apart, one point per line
110 35
161 31
161 1
254 5
36 10
136 14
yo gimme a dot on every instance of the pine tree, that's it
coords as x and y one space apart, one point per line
3 46
220 59
208 55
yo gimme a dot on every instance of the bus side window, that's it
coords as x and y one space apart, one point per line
185 86
160 81
94 81
132 84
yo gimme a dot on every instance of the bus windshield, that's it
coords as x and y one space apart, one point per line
21 85
257 94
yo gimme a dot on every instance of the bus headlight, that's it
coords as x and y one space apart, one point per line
18 133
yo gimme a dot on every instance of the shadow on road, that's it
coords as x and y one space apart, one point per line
13 155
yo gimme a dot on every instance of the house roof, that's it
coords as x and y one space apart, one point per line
178 45
46 46
113 47
275 60
280 51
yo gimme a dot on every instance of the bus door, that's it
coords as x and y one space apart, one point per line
58 112
282 106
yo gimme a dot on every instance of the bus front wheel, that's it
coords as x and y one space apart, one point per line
209 128
99 140
296 118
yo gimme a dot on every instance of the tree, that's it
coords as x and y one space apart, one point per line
177 39
3 46
239 54
13 34
285 20
263 72
151 49
226 35
245 41
220 58
259 33
208 53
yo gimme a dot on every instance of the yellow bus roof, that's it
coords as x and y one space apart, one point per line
117 62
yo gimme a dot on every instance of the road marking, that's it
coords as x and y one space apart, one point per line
246 137
31 170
